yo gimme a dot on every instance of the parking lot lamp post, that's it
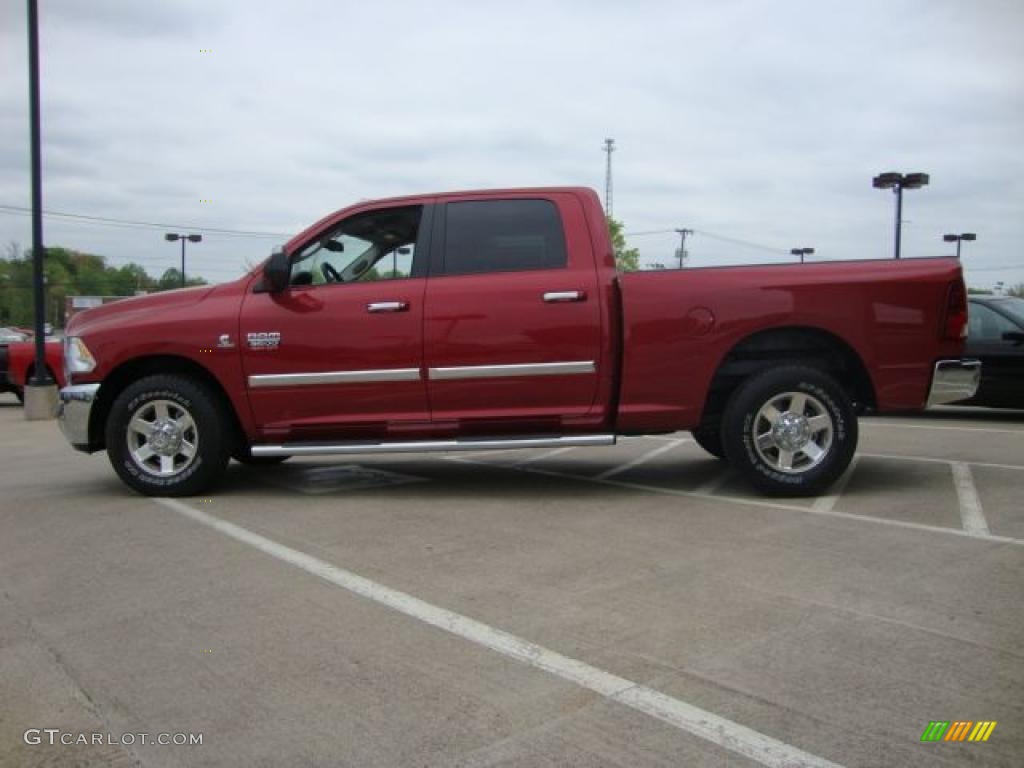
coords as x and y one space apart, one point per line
171 236
897 182
968 236
801 252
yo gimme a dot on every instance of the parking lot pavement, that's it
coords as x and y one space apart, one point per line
628 606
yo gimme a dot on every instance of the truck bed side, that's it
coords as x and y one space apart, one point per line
684 331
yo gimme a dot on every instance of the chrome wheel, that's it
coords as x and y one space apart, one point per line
793 432
162 438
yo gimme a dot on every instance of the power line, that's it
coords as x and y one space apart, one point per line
737 241
649 232
713 236
130 224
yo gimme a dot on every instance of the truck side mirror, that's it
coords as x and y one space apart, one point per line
276 272
1017 337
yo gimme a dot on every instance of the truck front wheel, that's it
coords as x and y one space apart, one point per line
791 431
166 436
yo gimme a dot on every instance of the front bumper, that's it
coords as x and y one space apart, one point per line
73 414
954 380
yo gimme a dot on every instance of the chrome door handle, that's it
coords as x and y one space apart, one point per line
556 297
387 306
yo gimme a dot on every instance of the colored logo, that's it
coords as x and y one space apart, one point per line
958 730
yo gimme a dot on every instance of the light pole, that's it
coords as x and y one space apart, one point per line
897 182
801 252
968 236
171 236
682 245
40 392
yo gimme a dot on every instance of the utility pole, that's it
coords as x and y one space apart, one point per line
609 147
682 245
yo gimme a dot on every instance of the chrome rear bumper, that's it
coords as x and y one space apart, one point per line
954 380
74 411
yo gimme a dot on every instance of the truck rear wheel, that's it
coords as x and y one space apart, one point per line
166 436
791 431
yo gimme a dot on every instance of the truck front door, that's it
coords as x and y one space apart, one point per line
338 354
512 333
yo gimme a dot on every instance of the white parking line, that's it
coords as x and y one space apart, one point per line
714 483
971 513
810 510
905 425
642 458
675 712
542 456
935 460
827 503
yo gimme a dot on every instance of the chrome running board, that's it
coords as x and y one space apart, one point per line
430 446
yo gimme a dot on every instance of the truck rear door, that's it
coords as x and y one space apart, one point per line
512 321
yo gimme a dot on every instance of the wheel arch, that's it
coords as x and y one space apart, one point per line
132 370
805 345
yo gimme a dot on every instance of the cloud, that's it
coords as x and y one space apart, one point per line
760 122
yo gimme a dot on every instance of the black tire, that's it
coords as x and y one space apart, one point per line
824 428
242 456
710 439
208 436
20 394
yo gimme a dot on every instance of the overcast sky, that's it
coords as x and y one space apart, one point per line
763 122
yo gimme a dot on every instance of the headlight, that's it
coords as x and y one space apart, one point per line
77 357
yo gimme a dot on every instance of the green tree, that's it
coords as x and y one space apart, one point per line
626 259
69 272
171 279
1017 290
979 291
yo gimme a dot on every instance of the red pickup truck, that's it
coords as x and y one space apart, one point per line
497 319
18 361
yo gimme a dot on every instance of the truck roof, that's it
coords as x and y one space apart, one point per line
424 197
469 192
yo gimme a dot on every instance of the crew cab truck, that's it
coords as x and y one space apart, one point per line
497 319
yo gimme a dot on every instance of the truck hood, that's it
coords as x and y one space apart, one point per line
123 310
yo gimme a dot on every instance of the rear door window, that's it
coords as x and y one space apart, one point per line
502 236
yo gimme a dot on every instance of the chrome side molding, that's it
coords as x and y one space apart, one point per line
520 369
413 374
432 446
332 377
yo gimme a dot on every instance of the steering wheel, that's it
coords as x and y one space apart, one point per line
330 273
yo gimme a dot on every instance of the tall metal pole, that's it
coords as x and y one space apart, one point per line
39 375
958 241
609 147
183 262
898 189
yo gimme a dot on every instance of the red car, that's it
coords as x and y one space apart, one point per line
497 319
17 362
